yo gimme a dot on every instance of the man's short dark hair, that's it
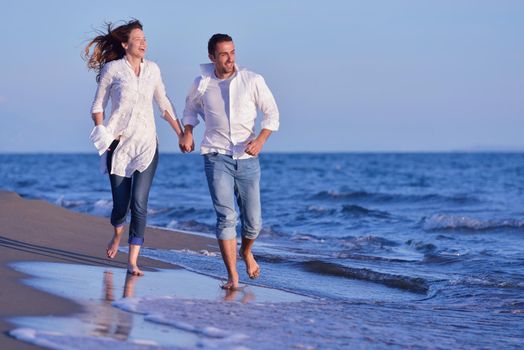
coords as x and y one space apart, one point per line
214 40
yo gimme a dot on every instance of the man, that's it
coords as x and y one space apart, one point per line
227 98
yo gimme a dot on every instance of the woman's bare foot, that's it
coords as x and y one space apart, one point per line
134 270
252 268
114 243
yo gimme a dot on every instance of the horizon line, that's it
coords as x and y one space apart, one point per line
473 151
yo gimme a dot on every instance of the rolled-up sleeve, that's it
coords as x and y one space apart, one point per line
103 90
193 106
162 100
267 104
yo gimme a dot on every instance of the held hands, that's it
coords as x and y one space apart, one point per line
186 142
185 137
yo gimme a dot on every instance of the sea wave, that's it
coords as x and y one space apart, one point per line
488 281
192 225
157 211
319 211
367 240
372 240
272 231
69 203
421 246
394 197
102 207
371 258
412 284
358 211
307 237
334 195
27 183
438 222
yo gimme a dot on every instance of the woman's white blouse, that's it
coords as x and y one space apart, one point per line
132 118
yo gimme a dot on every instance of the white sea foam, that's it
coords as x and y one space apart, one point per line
171 225
61 341
190 316
443 222
102 207
61 201
165 311
204 252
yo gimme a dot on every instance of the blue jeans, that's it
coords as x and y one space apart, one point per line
131 192
229 180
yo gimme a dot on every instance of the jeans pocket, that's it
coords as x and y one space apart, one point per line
210 157
210 161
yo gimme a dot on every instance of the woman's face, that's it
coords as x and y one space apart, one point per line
136 45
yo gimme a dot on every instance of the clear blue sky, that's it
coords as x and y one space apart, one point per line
347 75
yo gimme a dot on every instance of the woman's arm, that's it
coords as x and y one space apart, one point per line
165 105
102 96
175 124
98 118
100 137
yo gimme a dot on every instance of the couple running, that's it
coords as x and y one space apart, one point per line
224 95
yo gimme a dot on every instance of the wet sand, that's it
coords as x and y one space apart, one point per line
34 230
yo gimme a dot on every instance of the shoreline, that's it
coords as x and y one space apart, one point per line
38 231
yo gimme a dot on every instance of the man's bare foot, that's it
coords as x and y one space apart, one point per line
231 284
134 270
252 268
114 243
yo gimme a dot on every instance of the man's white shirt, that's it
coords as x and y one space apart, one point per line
229 110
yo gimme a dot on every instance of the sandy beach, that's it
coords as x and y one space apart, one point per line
34 230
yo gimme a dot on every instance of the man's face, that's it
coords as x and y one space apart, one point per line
224 58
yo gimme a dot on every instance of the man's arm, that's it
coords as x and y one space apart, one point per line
190 117
270 121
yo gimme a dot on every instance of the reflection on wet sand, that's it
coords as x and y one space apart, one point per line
100 290
112 322
243 295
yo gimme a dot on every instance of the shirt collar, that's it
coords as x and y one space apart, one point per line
208 69
129 64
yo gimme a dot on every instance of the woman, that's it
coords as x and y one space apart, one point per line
127 141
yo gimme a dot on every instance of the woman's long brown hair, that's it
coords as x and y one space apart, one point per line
108 47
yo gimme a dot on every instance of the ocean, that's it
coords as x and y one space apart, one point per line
398 250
